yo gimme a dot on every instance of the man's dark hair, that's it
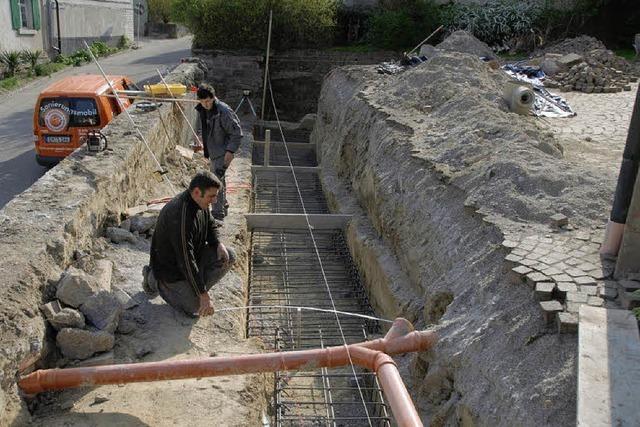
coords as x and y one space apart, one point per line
205 91
203 181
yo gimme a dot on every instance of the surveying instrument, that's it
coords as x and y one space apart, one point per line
245 97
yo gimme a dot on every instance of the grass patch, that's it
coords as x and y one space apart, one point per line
49 68
512 57
628 54
358 48
9 83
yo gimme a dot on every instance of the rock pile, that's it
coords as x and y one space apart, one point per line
580 45
599 71
464 42
141 224
86 311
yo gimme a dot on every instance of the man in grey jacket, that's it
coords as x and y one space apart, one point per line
219 128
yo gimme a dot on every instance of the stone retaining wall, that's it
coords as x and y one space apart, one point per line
62 213
296 76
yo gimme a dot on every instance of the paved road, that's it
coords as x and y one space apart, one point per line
18 168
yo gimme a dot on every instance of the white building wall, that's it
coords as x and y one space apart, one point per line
90 20
11 39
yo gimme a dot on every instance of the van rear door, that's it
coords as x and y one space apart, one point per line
61 121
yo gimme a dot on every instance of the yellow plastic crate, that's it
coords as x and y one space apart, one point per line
162 90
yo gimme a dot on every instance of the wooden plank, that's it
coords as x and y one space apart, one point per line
608 368
296 221
297 169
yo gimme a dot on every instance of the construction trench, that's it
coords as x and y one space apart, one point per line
285 272
423 204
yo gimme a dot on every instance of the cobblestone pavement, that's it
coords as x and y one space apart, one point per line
597 134
562 267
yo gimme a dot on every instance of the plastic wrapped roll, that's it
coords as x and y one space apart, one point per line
522 99
519 97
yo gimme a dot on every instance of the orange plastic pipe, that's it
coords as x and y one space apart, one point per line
373 355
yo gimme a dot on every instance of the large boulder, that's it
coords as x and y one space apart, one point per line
103 271
103 311
428 50
569 60
119 235
76 286
462 41
81 344
143 223
62 317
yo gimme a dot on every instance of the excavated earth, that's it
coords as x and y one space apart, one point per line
153 331
439 167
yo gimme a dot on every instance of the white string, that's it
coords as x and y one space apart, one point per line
324 310
135 126
315 246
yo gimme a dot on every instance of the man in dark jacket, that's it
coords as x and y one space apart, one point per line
219 128
187 258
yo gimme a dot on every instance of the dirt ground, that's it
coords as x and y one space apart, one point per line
156 332
596 136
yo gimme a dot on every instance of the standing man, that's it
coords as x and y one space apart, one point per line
187 258
221 134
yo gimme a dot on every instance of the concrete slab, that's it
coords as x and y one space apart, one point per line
608 368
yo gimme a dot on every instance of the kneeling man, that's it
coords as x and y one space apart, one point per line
187 258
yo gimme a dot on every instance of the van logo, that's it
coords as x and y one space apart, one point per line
56 120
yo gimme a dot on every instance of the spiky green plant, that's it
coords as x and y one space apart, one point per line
31 57
11 61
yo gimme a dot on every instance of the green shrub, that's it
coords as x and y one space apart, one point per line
124 42
237 24
159 10
48 68
402 24
9 83
31 57
99 48
11 61
497 23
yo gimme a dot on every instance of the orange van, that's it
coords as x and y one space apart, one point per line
69 108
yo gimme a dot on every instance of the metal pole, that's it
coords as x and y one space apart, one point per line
267 146
266 67
126 112
193 132
58 27
425 40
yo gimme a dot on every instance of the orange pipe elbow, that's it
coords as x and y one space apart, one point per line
373 355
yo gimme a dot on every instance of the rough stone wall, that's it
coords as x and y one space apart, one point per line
296 76
61 213
496 363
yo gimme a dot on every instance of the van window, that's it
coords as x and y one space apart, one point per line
58 114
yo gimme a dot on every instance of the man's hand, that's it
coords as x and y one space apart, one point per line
206 308
223 254
228 157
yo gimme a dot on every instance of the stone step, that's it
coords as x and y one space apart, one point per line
608 368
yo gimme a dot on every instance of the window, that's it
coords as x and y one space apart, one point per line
25 14
58 114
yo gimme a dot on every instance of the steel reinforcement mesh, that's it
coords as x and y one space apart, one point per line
285 272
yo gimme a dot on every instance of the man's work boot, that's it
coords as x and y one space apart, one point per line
149 282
